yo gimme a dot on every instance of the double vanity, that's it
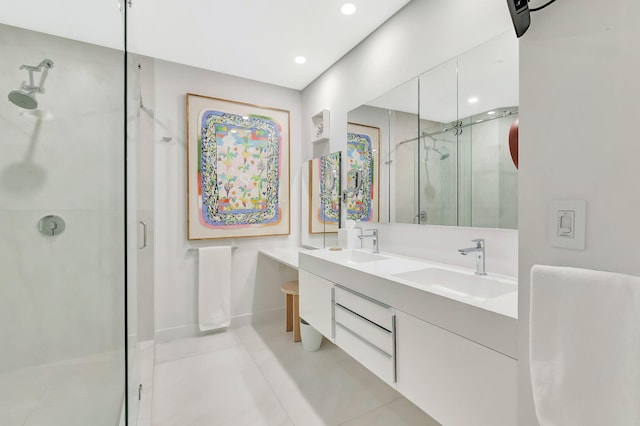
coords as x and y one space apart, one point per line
443 336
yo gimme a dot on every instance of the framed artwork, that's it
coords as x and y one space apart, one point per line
237 169
324 196
363 162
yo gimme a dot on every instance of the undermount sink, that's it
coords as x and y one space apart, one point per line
354 256
459 283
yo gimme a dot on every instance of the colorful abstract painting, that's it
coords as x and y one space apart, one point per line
363 158
324 197
239 164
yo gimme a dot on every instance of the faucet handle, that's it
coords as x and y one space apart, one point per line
479 242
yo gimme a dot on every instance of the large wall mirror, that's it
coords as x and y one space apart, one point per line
444 147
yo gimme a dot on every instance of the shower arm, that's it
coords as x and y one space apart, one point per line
46 64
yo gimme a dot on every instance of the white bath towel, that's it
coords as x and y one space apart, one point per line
585 347
214 287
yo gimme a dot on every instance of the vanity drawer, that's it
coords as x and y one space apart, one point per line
375 312
367 330
377 361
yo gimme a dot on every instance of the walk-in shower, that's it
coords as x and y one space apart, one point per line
63 294
25 97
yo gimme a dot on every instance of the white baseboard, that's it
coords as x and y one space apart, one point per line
245 319
168 334
192 330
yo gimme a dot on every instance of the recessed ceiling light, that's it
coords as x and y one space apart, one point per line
348 9
472 100
491 112
300 59
479 121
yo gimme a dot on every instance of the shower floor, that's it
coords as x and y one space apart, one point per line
82 391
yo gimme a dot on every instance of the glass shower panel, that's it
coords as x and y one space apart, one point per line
436 145
134 243
62 215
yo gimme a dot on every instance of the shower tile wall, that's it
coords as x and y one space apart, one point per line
61 297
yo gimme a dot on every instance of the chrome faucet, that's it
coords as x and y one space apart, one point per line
374 235
479 251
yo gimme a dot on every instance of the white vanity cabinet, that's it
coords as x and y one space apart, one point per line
454 380
316 302
365 329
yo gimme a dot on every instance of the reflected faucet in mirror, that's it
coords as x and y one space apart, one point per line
354 183
330 180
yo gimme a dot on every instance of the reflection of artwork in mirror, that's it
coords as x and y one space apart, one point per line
362 172
324 197
238 170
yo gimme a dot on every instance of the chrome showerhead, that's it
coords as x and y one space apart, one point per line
23 99
443 155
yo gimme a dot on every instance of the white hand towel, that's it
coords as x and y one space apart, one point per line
585 347
214 287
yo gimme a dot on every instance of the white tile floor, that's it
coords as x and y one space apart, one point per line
78 392
256 375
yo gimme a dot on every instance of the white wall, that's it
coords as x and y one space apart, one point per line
578 110
255 281
61 297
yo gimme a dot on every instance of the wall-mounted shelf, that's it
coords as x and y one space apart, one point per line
320 126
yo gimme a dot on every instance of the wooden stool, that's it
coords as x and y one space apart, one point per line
290 289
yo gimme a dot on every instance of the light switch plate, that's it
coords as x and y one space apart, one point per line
566 224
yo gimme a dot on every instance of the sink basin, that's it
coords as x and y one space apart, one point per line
459 283
354 256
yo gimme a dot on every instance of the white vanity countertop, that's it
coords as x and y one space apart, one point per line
285 255
490 321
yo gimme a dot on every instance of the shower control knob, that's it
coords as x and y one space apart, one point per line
51 225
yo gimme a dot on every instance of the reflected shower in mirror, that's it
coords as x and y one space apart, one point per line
445 141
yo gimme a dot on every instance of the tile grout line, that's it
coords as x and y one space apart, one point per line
268 383
195 355
369 411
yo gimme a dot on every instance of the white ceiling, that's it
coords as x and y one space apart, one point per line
254 39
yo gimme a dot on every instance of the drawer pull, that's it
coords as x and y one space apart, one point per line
362 296
339 306
363 340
